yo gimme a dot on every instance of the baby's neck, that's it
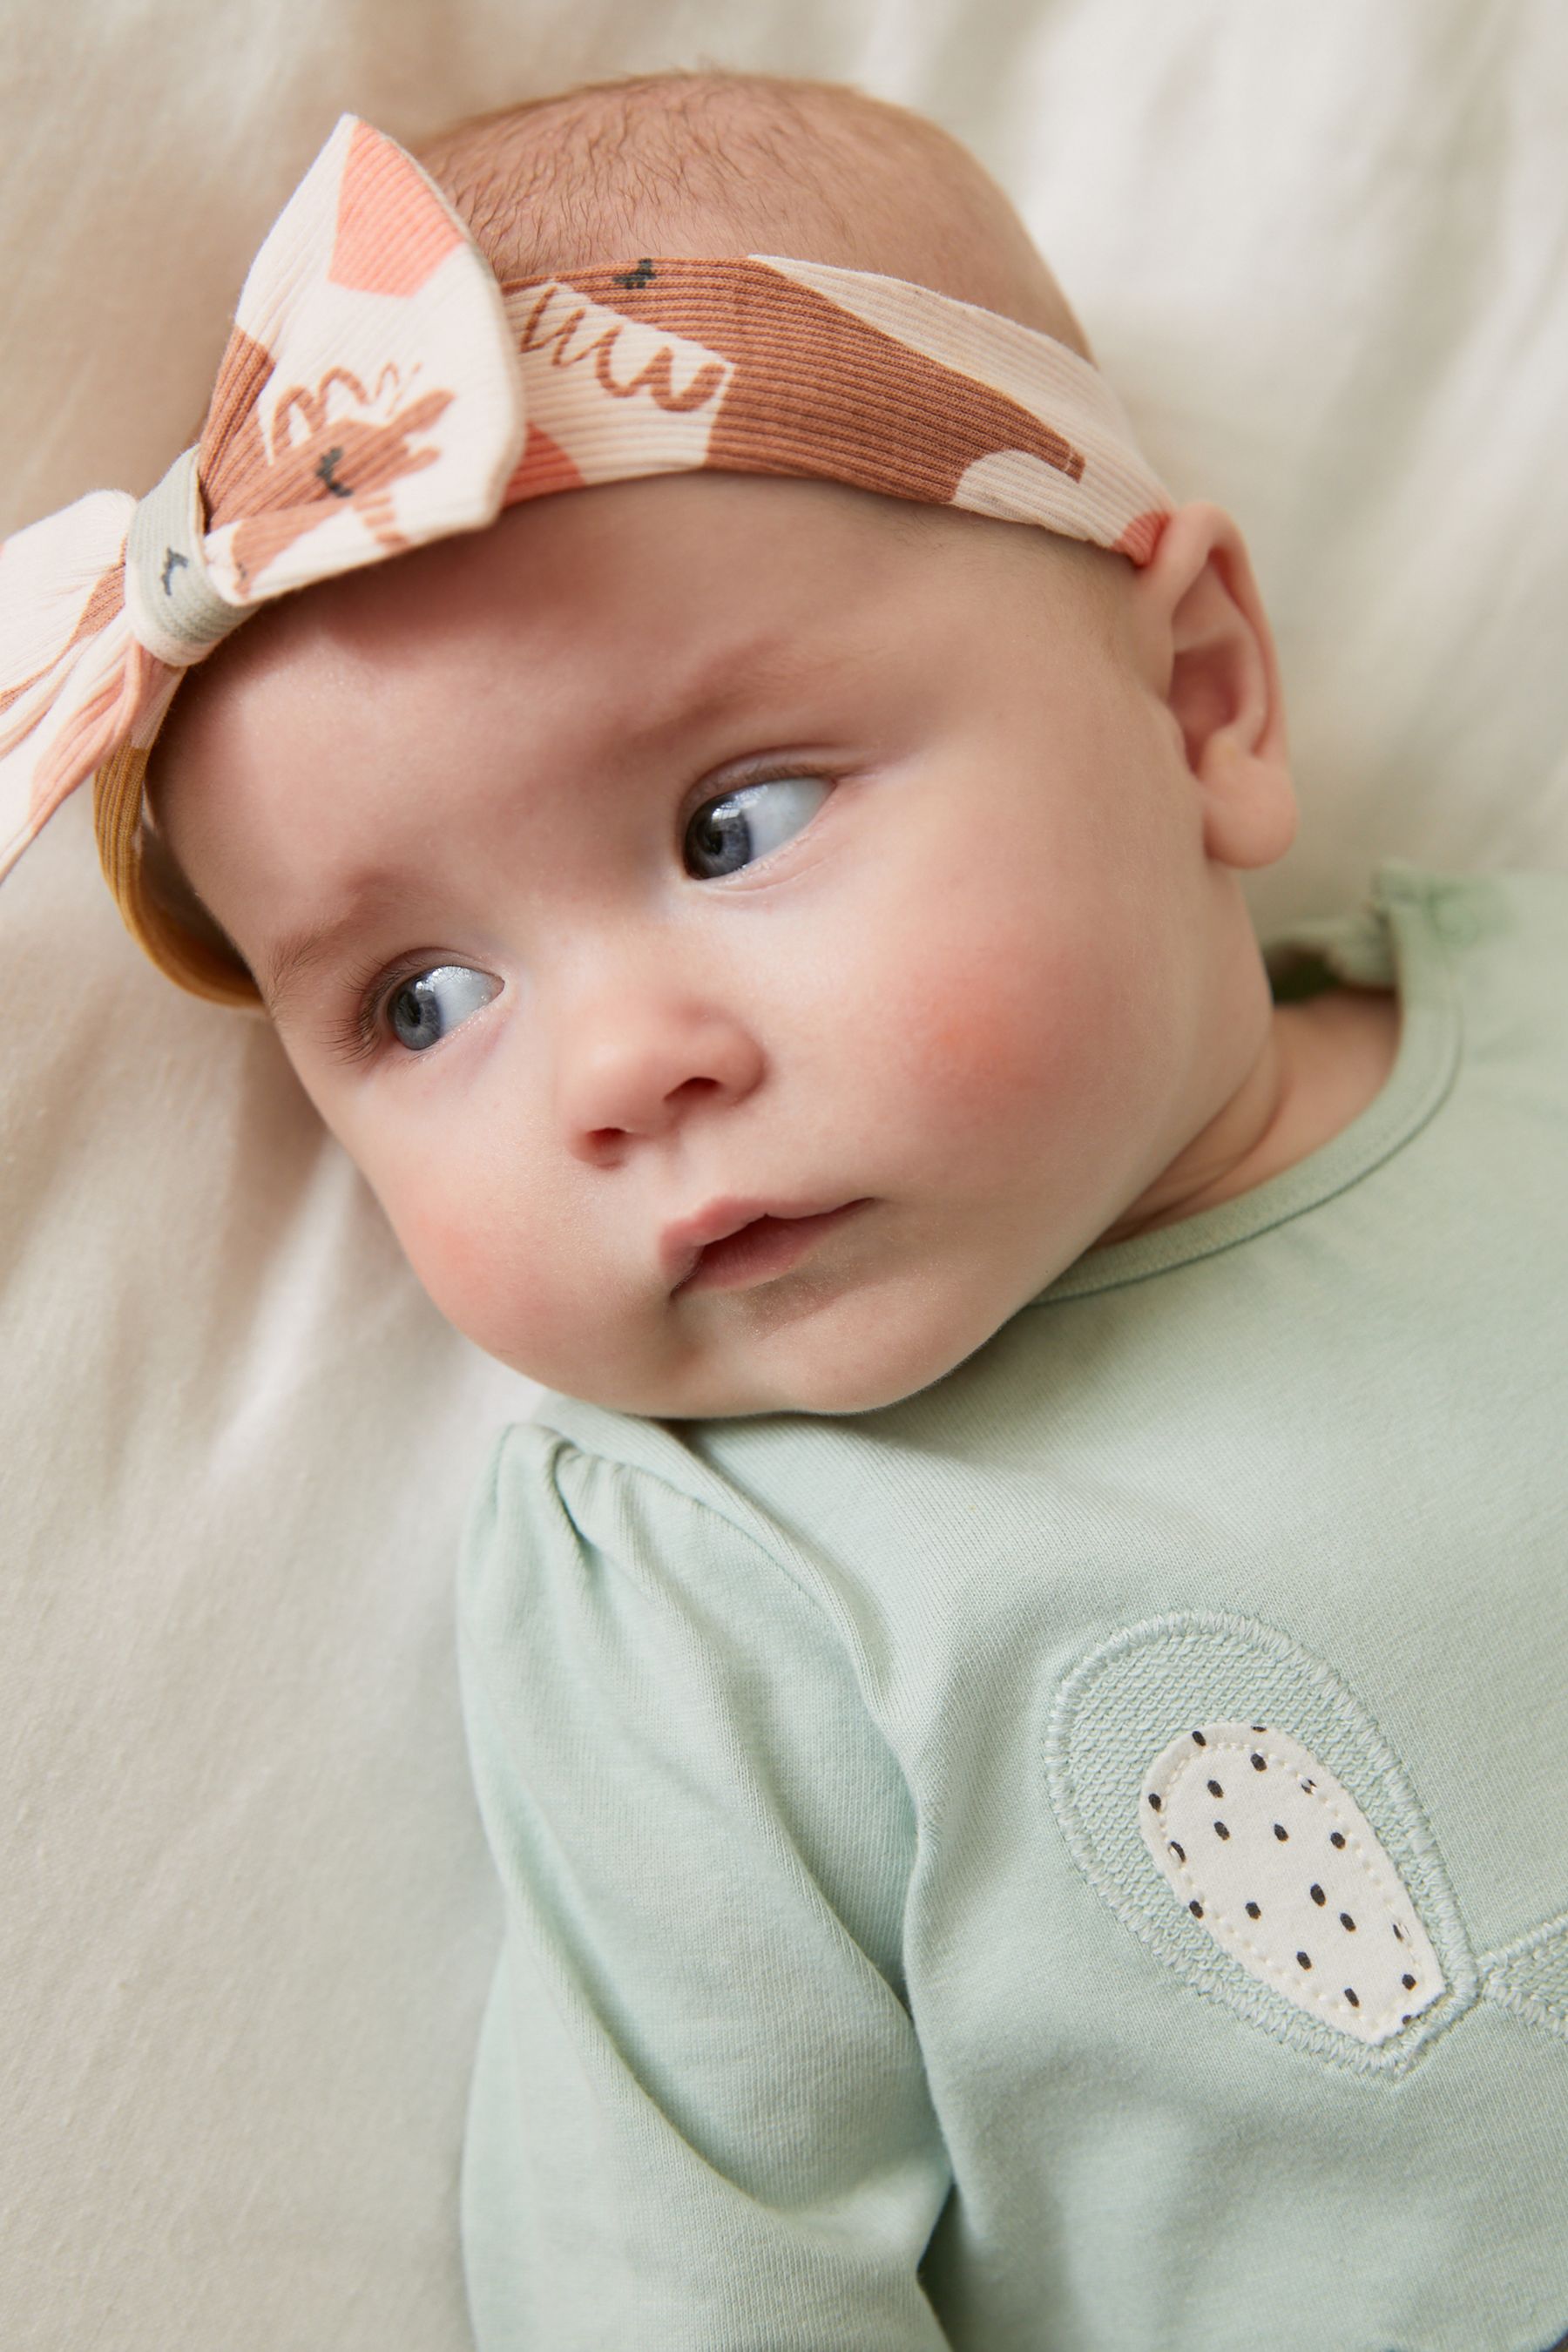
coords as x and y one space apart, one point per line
1323 1064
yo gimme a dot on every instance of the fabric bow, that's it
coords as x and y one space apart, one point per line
368 401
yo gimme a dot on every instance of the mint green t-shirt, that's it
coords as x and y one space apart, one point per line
1077 1859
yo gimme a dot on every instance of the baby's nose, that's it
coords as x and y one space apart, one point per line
637 1063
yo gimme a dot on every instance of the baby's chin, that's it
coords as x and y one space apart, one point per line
737 1397
839 1355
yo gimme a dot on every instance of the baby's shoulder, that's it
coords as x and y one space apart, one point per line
664 1505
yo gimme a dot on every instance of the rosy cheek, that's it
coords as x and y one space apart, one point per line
969 1055
516 1281
981 1036
1009 1047
451 1247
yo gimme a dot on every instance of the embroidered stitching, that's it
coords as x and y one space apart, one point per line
1530 1975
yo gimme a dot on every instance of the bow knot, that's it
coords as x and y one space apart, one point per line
170 605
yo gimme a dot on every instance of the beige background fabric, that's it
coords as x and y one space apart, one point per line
246 1924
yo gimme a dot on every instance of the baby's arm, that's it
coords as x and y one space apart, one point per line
699 2111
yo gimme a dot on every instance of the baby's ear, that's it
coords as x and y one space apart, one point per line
1205 641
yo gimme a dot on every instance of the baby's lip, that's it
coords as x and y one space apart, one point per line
681 1245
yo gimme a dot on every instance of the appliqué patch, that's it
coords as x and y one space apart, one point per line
1258 1840
1121 1731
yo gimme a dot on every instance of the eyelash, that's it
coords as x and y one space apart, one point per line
359 1036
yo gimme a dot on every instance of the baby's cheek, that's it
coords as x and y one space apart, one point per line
444 1250
995 1030
470 1258
514 1273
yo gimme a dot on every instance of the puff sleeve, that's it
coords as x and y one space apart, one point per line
699 2116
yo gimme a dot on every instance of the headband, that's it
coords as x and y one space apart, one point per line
381 389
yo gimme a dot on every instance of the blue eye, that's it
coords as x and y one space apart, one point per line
746 823
428 1006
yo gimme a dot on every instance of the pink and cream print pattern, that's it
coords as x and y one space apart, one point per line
380 389
763 365
367 400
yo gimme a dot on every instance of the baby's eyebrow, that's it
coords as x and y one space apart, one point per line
726 677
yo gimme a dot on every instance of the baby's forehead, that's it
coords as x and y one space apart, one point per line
687 571
518 684
600 629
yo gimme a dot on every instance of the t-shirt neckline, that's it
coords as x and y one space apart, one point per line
1395 936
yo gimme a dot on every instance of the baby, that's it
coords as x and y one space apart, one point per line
1015 1682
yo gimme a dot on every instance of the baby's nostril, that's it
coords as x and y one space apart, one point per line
703 1085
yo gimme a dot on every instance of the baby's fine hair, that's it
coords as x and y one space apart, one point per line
709 162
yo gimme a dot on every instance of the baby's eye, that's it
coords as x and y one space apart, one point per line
745 824
427 1005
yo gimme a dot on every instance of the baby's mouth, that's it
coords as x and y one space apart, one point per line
767 1246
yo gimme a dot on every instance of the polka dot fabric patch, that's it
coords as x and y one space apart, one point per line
1260 1842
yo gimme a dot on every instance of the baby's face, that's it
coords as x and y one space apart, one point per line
695 848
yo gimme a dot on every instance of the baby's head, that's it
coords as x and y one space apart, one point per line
713 845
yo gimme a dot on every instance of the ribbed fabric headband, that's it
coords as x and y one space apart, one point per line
380 389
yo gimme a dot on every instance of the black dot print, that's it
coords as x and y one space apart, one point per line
1154 1801
1220 1830
1215 1788
1200 1740
1281 1833
1179 1850
1347 1923
1405 2018
1260 1726
1336 1837
1197 1909
1259 1763
1253 1912
1304 1959
1409 1983
1352 1997
1399 1931
1317 1894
